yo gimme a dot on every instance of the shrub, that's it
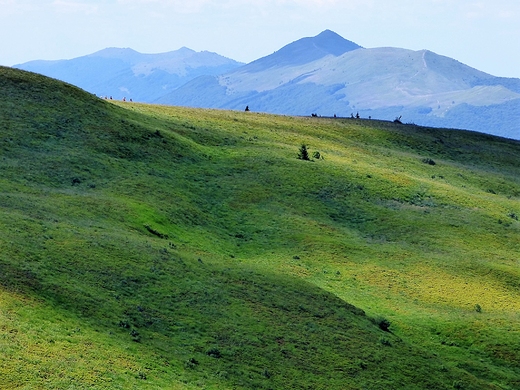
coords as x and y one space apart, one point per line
384 341
382 323
135 336
458 385
75 181
478 308
191 363
428 161
155 232
303 154
124 324
317 155
214 353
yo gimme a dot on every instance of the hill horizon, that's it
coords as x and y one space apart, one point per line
149 246
124 72
420 86
325 74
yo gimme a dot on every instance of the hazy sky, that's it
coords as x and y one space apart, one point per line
484 34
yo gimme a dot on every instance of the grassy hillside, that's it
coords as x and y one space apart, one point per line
160 247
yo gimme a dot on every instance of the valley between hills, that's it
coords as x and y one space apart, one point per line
164 247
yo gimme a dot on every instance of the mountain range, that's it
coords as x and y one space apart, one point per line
123 72
326 74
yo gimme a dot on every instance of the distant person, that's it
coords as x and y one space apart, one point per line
247 108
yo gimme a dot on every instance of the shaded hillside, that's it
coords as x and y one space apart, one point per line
126 73
152 247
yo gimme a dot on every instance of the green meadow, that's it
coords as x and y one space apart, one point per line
156 247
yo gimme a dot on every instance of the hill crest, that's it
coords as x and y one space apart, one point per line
325 74
424 87
124 72
154 246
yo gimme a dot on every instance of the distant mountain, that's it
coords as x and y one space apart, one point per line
303 51
329 75
127 73
325 74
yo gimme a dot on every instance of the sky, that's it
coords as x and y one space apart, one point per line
484 34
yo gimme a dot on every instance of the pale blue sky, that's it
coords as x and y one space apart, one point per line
484 34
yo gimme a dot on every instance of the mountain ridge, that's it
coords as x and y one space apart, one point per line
324 74
304 50
124 72
424 87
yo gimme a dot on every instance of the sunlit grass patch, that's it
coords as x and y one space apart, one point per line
446 290
58 350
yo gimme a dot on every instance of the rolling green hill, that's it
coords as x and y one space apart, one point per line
156 247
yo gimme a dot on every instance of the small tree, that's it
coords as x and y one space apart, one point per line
303 154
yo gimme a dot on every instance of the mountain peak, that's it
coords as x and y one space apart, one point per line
111 52
334 43
185 50
306 50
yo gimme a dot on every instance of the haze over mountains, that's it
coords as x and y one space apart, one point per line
127 73
325 74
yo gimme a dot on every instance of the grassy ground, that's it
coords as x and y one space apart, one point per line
164 247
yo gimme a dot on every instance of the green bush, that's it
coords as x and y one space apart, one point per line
303 154
382 323
214 353
384 341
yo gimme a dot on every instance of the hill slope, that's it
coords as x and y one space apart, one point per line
152 247
126 73
385 83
